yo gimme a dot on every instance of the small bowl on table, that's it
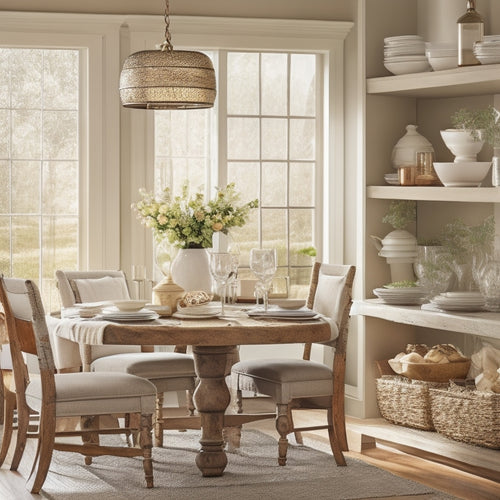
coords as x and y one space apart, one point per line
129 305
462 174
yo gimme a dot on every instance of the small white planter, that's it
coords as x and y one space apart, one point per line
462 144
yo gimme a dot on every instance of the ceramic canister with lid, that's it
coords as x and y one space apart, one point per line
405 151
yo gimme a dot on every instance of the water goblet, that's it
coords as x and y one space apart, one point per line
263 264
223 270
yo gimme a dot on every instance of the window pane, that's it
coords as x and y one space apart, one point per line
243 83
243 139
26 78
25 195
274 184
60 183
245 176
60 135
302 184
302 139
5 80
59 244
274 233
25 247
301 236
60 79
4 245
274 139
26 132
303 85
274 84
4 138
4 187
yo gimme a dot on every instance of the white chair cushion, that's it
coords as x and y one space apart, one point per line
328 295
98 289
96 394
283 379
168 371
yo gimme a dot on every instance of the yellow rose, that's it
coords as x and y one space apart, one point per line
217 226
161 219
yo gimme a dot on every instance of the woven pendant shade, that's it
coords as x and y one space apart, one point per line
163 79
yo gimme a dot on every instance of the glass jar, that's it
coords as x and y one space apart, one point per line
470 31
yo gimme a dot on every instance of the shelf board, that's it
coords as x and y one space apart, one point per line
485 324
435 193
470 80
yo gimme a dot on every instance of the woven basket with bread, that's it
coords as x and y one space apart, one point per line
441 363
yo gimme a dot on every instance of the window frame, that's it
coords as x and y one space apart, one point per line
97 39
210 33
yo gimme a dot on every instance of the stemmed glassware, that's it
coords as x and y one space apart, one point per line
224 269
263 263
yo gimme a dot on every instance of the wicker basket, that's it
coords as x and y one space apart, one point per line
467 415
405 402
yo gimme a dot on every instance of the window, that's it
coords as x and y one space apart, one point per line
39 163
270 120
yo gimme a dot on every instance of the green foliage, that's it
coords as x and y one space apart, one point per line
461 240
189 221
431 242
486 120
309 251
401 213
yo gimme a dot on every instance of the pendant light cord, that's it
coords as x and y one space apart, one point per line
167 44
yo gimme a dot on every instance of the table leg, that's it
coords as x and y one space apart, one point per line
211 399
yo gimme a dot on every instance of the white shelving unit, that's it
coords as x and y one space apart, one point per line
427 100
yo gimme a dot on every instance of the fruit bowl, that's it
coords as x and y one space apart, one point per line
462 174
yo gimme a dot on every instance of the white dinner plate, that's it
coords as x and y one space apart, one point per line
143 315
182 315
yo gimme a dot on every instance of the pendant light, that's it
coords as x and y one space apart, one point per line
166 78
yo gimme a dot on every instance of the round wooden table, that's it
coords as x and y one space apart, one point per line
213 342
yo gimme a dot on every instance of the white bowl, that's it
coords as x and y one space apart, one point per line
129 305
439 63
462 174
288 303
461 144
403 68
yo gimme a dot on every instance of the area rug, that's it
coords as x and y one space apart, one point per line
252 474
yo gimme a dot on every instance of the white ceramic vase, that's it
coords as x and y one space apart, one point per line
191 270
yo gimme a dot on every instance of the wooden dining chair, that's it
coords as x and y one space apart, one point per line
296 384
168 371
55 396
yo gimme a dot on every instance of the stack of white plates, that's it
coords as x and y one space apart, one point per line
459 301
210 310
392 179
284 314
114 314
405 54
414 295
488 51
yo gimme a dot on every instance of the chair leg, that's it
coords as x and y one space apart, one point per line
23 422
338 401
92 437
146 444
159 420
297 434
334 441
44 452
282 426
9 406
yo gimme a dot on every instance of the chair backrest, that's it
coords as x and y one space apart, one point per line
76 287
330 294
28 333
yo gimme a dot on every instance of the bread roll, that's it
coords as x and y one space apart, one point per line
444 353
413 357
194 299
421 349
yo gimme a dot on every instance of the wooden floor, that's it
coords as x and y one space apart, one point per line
464 485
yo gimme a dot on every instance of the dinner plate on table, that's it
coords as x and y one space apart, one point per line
116 315
284 314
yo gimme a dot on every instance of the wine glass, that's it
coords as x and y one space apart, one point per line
263 264
223 269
